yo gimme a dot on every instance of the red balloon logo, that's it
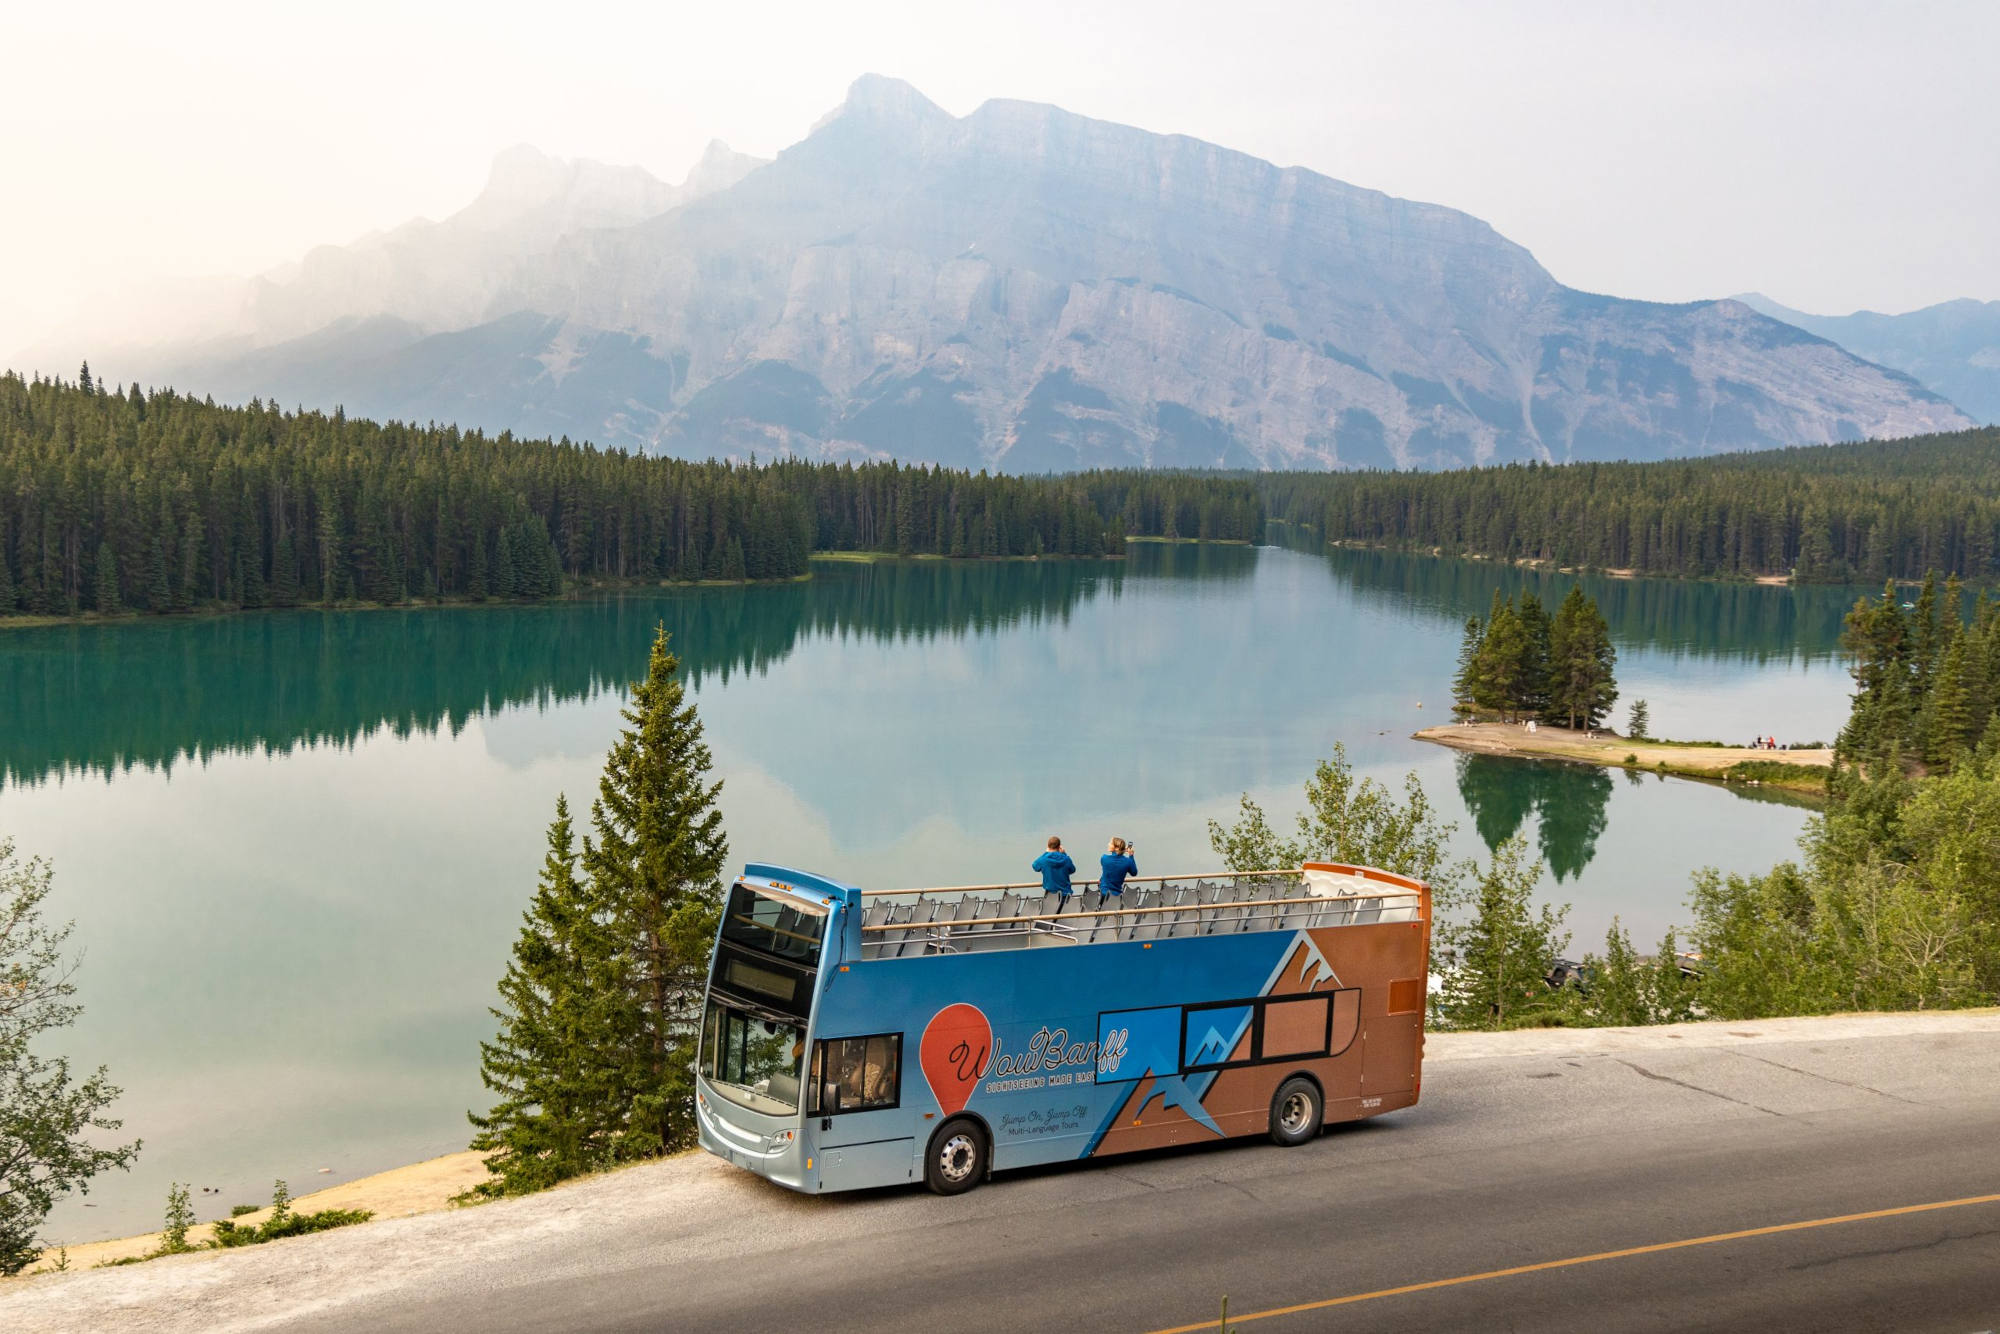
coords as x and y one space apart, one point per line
953 1054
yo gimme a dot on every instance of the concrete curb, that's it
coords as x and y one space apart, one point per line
1708 1033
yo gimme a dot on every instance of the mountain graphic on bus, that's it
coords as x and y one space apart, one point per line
1213 1050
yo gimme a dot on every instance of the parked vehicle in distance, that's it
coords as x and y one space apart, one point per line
857 1038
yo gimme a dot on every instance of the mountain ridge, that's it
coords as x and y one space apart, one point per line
1953 347
1025 288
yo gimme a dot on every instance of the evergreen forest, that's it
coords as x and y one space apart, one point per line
1925 678
1820 514
116 500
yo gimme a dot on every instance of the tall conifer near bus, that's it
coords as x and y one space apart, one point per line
557 1061
655 857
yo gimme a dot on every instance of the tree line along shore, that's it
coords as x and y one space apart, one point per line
116 500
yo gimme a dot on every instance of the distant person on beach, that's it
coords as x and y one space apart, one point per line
1056 868
1114 867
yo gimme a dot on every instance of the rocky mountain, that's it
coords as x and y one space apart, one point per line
1027 289
1952 347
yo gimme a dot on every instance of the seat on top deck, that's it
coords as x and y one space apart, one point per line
917 940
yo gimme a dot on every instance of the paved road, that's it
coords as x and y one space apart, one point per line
1555 1150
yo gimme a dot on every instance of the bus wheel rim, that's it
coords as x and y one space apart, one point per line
1297 1112
956 1158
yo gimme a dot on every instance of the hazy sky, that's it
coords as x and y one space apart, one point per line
1834 156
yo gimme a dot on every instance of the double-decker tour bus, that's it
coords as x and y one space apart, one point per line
855 1038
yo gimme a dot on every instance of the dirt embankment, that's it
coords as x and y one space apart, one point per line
1612 751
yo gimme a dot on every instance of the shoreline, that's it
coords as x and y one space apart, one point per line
573 589
1706 763
415 1188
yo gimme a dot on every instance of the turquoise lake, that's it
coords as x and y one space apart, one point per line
297 845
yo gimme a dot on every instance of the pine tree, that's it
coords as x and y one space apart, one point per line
285 588
1881 721
1926 636
1642 721
656 865
159 592
104 585
564 1020
1499 684
1582 686
507 566
187 588
8 600
251 581
1465 681
1948 716
1532 692
476 585
1504 950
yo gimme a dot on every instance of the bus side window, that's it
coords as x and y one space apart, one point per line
858 1074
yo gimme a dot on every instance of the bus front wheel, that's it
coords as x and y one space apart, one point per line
956 1161
1295 1112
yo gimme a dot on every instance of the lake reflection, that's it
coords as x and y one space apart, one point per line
297 845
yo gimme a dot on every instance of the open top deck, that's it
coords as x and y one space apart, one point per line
905 923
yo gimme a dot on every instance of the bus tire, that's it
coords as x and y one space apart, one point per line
1296 1112
955 1162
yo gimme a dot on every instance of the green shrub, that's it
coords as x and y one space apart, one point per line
228 1234
180 1217
238 1210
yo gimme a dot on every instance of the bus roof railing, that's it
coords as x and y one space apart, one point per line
1327 901
1036 884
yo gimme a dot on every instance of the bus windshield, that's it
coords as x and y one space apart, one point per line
752 1059
771 926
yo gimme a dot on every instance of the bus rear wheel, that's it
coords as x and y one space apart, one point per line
1295 1112
956 1160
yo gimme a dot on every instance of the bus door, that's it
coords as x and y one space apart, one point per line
859 1124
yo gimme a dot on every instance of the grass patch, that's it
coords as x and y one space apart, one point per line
1804 777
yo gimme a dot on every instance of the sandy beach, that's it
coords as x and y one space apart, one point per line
1605 748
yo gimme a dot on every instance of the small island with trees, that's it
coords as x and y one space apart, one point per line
1540 686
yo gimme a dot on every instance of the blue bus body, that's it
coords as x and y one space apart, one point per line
839 1046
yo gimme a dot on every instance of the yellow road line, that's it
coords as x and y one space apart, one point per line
1586 1259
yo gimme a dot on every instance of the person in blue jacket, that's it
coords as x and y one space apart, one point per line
1115 866
1056 869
